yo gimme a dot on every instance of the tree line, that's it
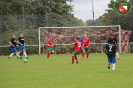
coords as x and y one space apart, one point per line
112 18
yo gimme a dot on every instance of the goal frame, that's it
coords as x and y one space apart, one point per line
119 30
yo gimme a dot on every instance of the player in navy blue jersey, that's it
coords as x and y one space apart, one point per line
79 38
110 51
21 44
114 42
13 47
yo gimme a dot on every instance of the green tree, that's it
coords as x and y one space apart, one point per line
112 18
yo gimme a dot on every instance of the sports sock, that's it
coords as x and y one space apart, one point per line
18 55
87 55
11 54
117 54
113 67
48 55
25 54
82 55
76 58
73 59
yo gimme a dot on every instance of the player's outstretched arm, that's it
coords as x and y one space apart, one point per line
71 44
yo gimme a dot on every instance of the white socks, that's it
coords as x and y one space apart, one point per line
117 54
113 67
11 54
25 54
18 52
17 55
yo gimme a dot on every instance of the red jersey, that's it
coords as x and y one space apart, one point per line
85 42
50 43
77 46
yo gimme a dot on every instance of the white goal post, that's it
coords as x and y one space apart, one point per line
65 35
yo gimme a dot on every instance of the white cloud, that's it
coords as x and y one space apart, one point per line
83 8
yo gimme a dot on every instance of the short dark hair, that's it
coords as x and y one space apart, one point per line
110 41
111 34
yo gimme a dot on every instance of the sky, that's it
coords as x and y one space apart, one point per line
83 8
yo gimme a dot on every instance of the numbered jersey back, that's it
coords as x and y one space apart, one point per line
111 49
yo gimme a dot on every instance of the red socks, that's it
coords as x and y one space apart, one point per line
48 55
82 55
87 55
74 58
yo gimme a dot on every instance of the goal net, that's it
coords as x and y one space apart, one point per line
62 36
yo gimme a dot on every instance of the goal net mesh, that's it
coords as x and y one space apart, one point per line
65 35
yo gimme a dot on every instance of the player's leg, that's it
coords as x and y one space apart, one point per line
87 50
109 62
74 57
113 63
83 52
24 52
18 55
10 55
49 50
12 50
15 51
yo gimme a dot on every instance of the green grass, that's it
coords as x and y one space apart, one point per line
58 72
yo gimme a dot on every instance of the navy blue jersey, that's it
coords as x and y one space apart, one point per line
13 41
110 49
80 39
21 40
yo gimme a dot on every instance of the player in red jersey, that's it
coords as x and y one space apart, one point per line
77 45
49 47
85 46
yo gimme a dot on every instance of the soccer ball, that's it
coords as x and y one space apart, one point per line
25 60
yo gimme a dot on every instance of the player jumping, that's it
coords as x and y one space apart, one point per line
114 42
49 47
110 51
77 45
85 46
13 47
21 43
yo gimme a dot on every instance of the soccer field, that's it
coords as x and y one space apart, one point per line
58 72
